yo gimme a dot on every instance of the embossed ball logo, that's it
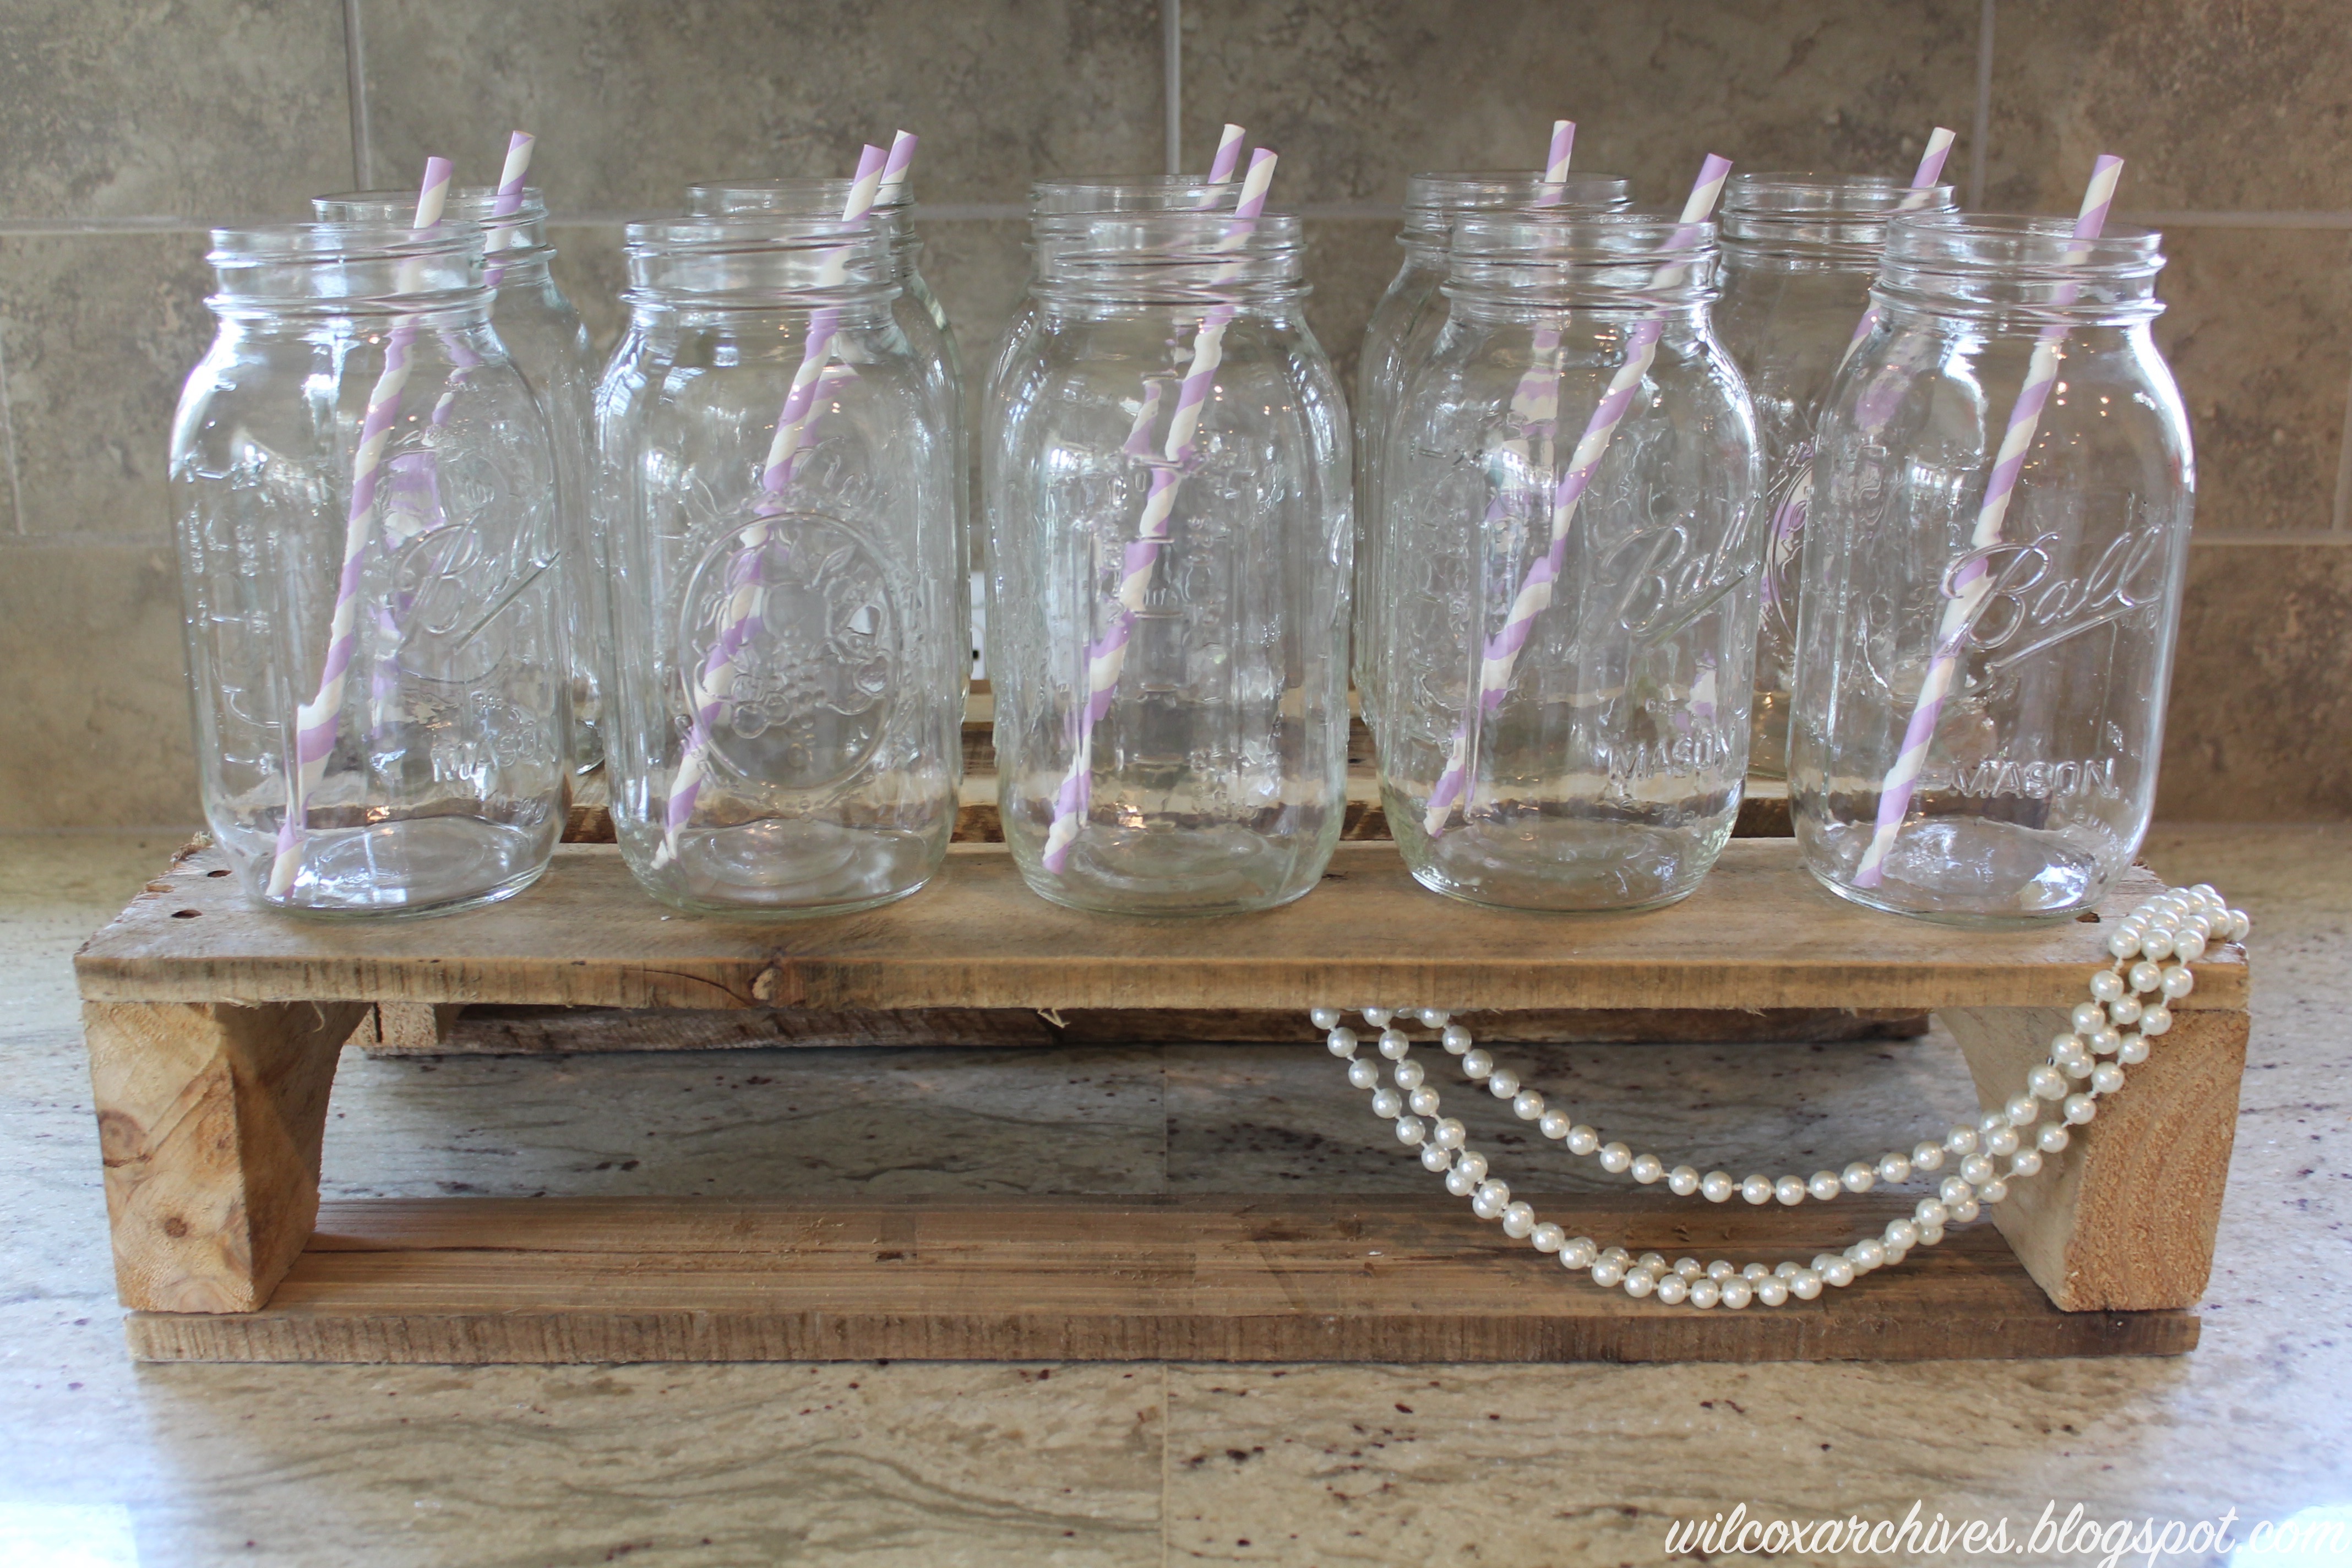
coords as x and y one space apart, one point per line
799 609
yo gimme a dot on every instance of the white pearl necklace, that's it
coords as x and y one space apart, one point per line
2153 948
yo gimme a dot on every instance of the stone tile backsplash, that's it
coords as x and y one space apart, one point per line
124 130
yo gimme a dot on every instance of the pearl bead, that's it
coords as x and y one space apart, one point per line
1868 1253
1736 1293
1607 1273
2145 976
1683 1181
1705 1293
1789 1190
1757 1189
2178 982
1582 1140
2079 1066
1859 1177
2239 925
2106 986
1526 1105
1434 1018
2047 1082
1547 1237
1460 1185
1805 1284
1647 1169
2122 943
1473 1164
1902 1233
1930 1211
1655 1262
1752 1273
1673 1290
1839 1272
1449 1133
1893 1168
1503 1083
1341 1043
1928 1157
2133 1052
2052 1138
1771 1290
2154 1022
1716 1185
1387 1103
1435 1158
1519 1220
2124 1013
1990 1122
1955 1191
2107 1039
1992 1191
2069 1051
2081 1108
1824 1185
1394 1044
1619 1255
2003 1143
1960 1140
2106 1077
1720 1269
2157 943
2025 1162
2024 1111
1378 1017
1615 1158
1486 1204
1689 1268
1476 1065
1411 1130
1455 1039
1323 1017
1929 1235
1554 1125
1976 1170
1963 1213
1640 1282
1577 1253
1408 1075
2087 1016
1422 1101
1364 1074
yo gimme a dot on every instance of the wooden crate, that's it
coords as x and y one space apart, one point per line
213 1031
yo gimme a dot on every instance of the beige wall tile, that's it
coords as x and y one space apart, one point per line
1356 94
99 331
93 700
1350 262
2219 105
2258 329
118 107
588 267
2260 729
633 102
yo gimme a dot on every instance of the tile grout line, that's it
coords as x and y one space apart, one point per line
1981 132
1166 1461
8 450
2343 519
1171 81
355 86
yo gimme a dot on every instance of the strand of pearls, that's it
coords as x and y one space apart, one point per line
2152 949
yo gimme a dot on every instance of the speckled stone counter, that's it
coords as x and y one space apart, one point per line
939 1464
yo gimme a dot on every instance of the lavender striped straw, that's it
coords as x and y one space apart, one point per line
317 721
1109 655
1535 588
747 598
1962 609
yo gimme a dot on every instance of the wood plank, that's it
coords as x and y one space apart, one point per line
1757 933
1216 1278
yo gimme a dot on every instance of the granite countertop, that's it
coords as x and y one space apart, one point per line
958 1463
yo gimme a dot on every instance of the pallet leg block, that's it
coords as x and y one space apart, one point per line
2124 1219
210 1119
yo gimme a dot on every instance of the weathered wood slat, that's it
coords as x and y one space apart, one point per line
1757 933
1244 1278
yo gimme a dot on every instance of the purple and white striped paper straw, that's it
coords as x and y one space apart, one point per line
1960 611
509 197
1228 159
745 597
317 721
1931 169
1109 655
1535 592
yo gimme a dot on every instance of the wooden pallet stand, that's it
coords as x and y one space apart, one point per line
213 1031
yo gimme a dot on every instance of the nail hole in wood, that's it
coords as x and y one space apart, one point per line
223 871
185 914
2088 918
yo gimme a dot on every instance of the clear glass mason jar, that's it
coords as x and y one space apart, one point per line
1980 699
1165 478
1799 254
779 487
545 337
1432 203
1567 646
917 309
364 493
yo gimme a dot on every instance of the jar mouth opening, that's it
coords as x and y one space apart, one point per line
809 195
1543 238
1096 194
475 205
326 244
1969 244
1450 190
1805 194
754 234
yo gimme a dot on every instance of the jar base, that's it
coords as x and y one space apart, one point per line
787 868
1191 872
411 867
1972 872
1571 865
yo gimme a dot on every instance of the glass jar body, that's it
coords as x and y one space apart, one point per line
789 678
2035 771
1189 756
410 649
1601 768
